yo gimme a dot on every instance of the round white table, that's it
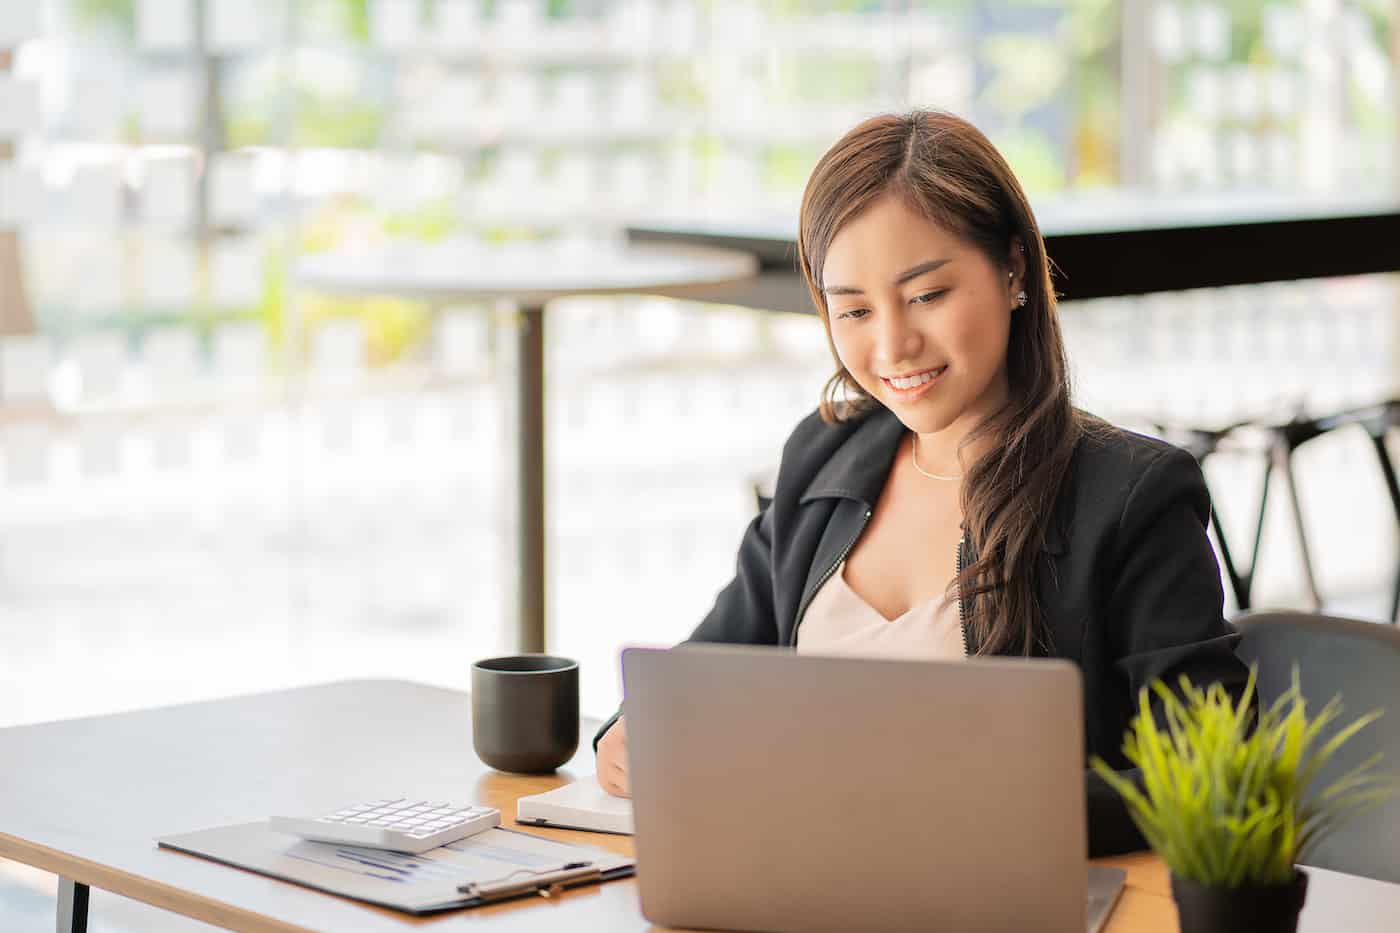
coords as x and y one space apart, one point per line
531 275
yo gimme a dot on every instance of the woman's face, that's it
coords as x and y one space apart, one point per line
919 317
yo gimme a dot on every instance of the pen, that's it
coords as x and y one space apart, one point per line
545 883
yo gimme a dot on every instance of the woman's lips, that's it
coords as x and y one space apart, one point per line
915 391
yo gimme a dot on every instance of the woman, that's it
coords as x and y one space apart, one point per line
947 499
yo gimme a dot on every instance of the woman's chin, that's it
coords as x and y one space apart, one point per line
921 419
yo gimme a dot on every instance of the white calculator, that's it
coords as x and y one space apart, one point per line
401 824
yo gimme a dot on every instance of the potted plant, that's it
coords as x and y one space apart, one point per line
1230 806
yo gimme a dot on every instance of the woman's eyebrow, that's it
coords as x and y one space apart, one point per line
900 279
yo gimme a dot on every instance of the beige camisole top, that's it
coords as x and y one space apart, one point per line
839 621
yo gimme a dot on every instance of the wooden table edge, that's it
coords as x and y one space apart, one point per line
147 891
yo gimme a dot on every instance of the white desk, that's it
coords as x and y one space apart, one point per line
87 798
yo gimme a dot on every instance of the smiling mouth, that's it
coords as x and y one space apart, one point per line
914 381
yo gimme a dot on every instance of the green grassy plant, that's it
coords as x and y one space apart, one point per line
1224 804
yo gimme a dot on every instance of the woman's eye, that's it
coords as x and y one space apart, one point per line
853 314
929 296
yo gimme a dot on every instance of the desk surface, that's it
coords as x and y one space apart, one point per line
86 799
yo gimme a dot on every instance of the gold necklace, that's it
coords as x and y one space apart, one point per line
946 479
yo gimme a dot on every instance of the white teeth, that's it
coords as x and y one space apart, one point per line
913 381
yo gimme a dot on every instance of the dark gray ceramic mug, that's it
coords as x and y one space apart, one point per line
525 712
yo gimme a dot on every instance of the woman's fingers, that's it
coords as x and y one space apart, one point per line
612 761
615 741
616 783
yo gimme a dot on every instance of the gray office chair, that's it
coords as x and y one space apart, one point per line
1360 661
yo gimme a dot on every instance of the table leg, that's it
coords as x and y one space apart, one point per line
530 428
72 906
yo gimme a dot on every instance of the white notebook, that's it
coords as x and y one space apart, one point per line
580 805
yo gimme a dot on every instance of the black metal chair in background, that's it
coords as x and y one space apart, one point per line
1201 443
1281 440
1379 421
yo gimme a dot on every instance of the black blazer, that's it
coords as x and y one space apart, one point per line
1128 582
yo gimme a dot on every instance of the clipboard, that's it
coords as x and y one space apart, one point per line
486 868
545 884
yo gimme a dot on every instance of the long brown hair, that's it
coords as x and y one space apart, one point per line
946 170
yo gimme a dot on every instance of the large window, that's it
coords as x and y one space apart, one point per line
215 480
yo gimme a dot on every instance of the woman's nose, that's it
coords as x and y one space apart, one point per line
896 341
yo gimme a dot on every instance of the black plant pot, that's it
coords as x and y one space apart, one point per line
1258 908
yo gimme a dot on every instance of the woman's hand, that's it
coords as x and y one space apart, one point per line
612 760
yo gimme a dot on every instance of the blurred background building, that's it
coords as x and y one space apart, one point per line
215 481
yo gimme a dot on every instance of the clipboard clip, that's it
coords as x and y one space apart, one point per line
545 884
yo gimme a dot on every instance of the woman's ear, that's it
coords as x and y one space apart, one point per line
1016 264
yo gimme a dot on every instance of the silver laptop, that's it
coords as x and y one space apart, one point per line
780 792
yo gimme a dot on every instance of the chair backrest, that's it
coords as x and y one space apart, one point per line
1359 661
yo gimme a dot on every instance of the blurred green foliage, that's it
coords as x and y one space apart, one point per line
787 167
1095 26
118 14
1072 69
351 17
